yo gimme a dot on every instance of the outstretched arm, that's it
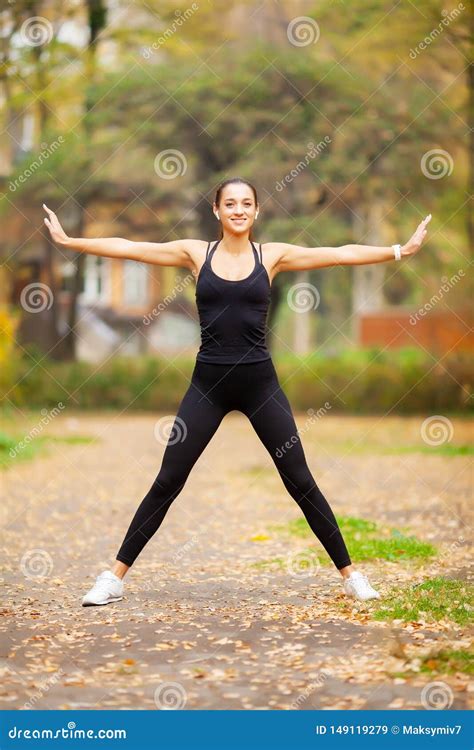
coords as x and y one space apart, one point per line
174 253
296 258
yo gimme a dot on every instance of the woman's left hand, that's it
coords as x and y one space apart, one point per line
417 238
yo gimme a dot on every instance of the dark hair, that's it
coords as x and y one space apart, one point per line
221 187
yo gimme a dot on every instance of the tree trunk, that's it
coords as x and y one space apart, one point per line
97 16
470 122
367 289
302 302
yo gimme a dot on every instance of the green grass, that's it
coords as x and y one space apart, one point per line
367 448
442 450
257 470
449 661
39 445
309 559
446 661
434 600
365 540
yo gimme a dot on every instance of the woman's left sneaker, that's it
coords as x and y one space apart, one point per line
107 588
358 586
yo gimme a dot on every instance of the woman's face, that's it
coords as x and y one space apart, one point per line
236 209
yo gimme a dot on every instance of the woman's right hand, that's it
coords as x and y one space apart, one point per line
58 234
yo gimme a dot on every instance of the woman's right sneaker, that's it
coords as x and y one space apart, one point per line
107 588
358 586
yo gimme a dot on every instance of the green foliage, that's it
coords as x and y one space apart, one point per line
9 353
369 383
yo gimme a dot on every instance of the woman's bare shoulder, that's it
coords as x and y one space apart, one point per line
197 252
271 254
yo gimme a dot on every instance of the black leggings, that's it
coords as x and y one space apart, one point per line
216 389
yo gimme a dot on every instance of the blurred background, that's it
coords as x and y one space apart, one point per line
353 120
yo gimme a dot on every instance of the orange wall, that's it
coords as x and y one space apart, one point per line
438 330
116 281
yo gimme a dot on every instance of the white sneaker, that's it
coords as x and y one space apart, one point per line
358 586
107 588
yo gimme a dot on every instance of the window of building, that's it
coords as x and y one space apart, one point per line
96 279
135 283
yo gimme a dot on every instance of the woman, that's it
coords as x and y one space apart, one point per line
233 368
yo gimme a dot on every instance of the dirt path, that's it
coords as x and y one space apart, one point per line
201 627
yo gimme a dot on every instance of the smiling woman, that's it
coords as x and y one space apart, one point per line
234 369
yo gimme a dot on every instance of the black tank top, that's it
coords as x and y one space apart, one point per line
233 314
